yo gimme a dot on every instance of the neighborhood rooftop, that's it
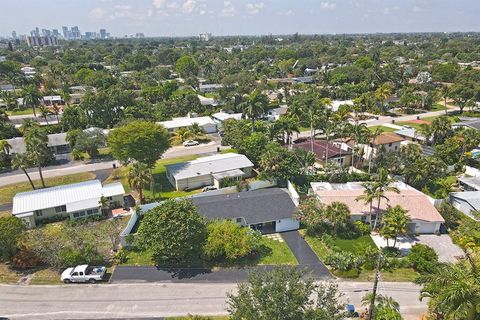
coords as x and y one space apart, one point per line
256 206
320 149
186 122
209 165
387 137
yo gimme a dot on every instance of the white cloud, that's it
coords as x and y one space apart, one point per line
159 3
328 5
189 5
228 10
97 13
254 8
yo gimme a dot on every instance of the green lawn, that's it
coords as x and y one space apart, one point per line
272 253
22 112
199 318
7 192
416 126
397 275
382 128
354 246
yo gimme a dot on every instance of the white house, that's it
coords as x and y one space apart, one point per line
73 200
204 101
209 87
424 217
211 170
276 113
390 141
51 100
206 123
221 116
467 202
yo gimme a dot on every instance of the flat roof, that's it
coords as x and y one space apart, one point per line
222 116
186 122
473 182
208 165
228 174
257 206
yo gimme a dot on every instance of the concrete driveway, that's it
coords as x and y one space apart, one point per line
447 251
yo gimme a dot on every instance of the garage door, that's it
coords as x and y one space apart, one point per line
286 225
426 227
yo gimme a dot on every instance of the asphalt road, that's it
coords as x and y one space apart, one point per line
144 300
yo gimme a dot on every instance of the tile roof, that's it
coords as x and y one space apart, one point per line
417 204
320 149
387 137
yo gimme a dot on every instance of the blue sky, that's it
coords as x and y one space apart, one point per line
233 17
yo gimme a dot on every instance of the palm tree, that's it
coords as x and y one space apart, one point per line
255 106
359 133
382 94
314 112
196 130
5 147
441 129
183 134
426 131
44 112
337 213
21 161
382 185
31 97
9 99
373 135
36 144
287 125
367 197
139 175
395 222
445 93
103 203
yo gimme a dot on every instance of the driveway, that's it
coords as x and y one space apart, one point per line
306 258
447 251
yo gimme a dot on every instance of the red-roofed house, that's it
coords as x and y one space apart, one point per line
424 217
335 152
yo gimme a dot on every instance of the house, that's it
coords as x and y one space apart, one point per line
388 140
268 210
221 116
336 153
472 123
73 200
410 134
204 101
424 217
29 72
52 100
469 183
337 103
206 171
206 123
57 143
209 87
276 113
7 87
467 202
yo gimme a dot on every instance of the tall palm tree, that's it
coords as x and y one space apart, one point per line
314 112
255 106
426 131
36 144
382 185
359 133
441 129
31 97
5 147
139 175
445 93
21 161
183 134
287 125
382 94
369 194
44 112
9 99
196 130
373 135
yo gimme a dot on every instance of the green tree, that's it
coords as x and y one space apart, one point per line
37 150
255 107
284 294
359 133
253 146
423 258
382 184
385 308
173 231
11 231
31 97
382 94
21 161
278 163
337 214
183 134
89 142
441 129
73 117
287 125
139 175
368 196
186 66
395 222
227 239
141 141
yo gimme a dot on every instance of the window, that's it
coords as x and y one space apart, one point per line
239 220
60 209
109 198
89 211
38 213
396 147
95 210
75 274
389 144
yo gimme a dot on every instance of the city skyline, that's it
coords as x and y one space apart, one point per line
242 17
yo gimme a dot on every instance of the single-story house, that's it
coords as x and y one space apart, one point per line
204 101
276 113
410 134
472 123
424 217
209 87
206 171
467 202
51 100
335 152
268 210
72 200
57 143
206 123
337 103
470 183
221 116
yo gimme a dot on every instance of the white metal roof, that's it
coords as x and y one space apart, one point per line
76 196
209 165
228 174
186 122
113 189
222 116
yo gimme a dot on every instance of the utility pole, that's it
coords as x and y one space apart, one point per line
375 285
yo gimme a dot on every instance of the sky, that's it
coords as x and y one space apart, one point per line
241 17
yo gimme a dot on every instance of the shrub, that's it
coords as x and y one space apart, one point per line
362 227
87 255
391 252
343 261
86 220
423 258
121 256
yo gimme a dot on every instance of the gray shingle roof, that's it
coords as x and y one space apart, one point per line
255 206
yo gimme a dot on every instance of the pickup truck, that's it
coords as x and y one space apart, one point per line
83 273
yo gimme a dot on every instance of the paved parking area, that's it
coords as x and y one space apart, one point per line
447 251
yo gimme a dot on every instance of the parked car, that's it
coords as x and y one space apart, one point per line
209 188
83 273
190 143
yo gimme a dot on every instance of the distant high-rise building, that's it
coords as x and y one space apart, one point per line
76 33
139 35
205 36
14 34
103 33
55 33
41 41
65 32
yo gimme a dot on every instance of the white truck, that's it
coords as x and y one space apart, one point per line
83 273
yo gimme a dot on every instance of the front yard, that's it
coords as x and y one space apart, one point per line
272 252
